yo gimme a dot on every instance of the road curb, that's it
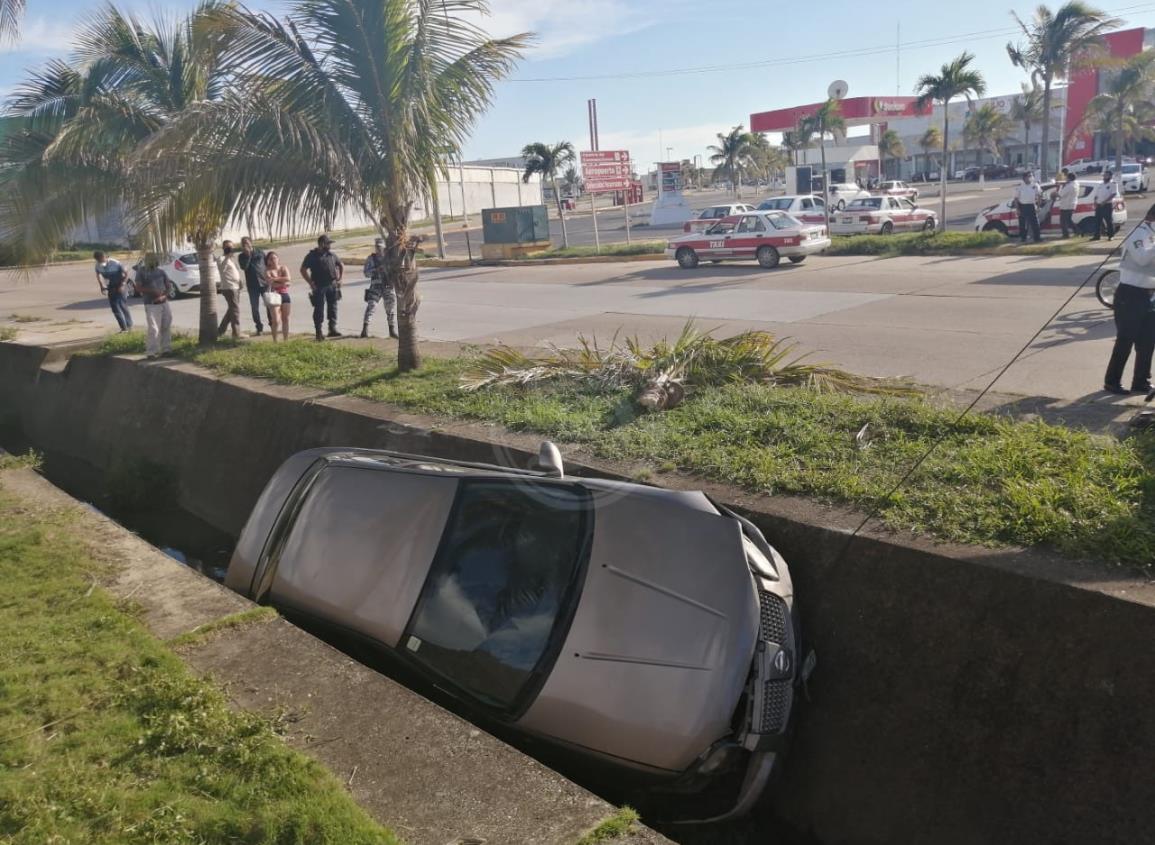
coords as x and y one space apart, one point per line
540 262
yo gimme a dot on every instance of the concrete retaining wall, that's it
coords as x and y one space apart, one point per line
962 695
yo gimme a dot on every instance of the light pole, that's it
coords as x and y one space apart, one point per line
698 170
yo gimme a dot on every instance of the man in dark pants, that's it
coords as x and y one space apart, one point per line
323 270
252 264
1104 199
111 276
1026 201
1068 199
1135 311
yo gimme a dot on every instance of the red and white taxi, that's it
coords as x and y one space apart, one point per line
895 188
805 207
882 216
765 236
1005 219
707 217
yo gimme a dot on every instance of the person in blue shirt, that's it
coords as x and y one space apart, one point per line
111 276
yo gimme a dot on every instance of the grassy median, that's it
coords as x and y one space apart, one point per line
992 481
105 735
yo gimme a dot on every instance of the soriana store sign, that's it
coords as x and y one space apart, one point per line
857 111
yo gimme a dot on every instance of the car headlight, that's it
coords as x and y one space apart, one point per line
761 564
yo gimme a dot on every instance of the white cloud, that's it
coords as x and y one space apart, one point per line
40 35
562 26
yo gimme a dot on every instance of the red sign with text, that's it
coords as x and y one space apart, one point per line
605 170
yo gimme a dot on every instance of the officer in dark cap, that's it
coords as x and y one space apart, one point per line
1135 310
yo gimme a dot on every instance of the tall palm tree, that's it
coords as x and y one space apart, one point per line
1055 44
10 13
931 140
1027 109
345 104
85 124
986 129
571 180
792 143
548 161
890 146
1128 91
827 120
731 156
956 79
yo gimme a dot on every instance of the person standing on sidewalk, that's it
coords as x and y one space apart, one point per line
1135 311
277 276
1026 201
110 277
154 286
252 263
232 280
380 288
322 270
1104 198
1068 199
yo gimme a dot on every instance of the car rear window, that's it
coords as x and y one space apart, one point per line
865 203
776 204
503 582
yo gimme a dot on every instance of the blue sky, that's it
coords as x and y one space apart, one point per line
582 38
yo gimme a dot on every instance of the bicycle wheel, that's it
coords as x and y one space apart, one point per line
1105 287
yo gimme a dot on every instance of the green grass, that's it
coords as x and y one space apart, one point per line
7 333
106 736
206 632
992 481
615 827
635 248
915 243
25 318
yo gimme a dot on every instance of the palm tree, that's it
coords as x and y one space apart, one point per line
1028 110
571 181
10 13
986 129
731 156
931 140
955 79
1055 44
792 143
1125 101
826 120
85 125
346 104
890 146
549 161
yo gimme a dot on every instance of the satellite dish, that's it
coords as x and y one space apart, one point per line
837 89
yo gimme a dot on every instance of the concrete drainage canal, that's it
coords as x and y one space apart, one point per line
143 497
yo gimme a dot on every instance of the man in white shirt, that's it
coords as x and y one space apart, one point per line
1135 310
1104 199
232 281
1068 199
1026 201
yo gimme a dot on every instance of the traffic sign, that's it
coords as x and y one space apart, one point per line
605 170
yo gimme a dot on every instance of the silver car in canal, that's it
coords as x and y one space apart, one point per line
650 629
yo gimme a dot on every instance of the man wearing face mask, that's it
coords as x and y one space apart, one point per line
380 288
252 263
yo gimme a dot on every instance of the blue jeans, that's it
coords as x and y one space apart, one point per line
255 302
119 306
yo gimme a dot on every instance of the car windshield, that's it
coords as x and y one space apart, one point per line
776 204
503 579
1131 168
781 220
865 203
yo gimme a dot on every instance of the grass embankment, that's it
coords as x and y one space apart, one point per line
947 243
992 481
105 736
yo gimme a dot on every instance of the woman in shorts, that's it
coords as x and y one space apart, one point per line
277 278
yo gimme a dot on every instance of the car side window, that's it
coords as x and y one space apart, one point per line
751 224
806 204
819 204
908 204
502 581
720 228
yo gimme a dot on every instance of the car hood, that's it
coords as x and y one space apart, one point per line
662 639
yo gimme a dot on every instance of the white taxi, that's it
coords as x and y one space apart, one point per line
764 236
842 193
882 216
896 188
1004 218
705 218
805 207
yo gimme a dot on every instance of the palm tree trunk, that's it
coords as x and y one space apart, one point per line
401 269
1119 143
1045 152
825 177
942 168
207 335
560 216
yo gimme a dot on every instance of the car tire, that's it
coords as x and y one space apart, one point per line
1105 287
887 228
929 225
995 226
797 259
768 257
687 259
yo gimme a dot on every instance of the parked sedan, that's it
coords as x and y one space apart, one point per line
645 628
895 188
183 269
765 236
882 216
706 218
1004 218
842 193
805 207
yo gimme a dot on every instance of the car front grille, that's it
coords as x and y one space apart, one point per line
773 617
775 704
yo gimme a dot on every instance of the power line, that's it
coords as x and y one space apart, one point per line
980 35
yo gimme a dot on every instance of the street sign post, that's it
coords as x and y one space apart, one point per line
606 171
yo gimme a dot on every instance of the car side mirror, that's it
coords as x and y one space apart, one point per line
549 460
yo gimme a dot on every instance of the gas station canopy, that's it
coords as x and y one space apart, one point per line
856 111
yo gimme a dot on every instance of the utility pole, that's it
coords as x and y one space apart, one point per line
898 59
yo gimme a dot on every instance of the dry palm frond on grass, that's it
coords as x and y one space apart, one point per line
662 373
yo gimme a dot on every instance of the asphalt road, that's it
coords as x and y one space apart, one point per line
942 321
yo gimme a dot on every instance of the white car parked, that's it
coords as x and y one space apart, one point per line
843 192
882 216
895 188
805 207
1133 177
706 218
183 269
